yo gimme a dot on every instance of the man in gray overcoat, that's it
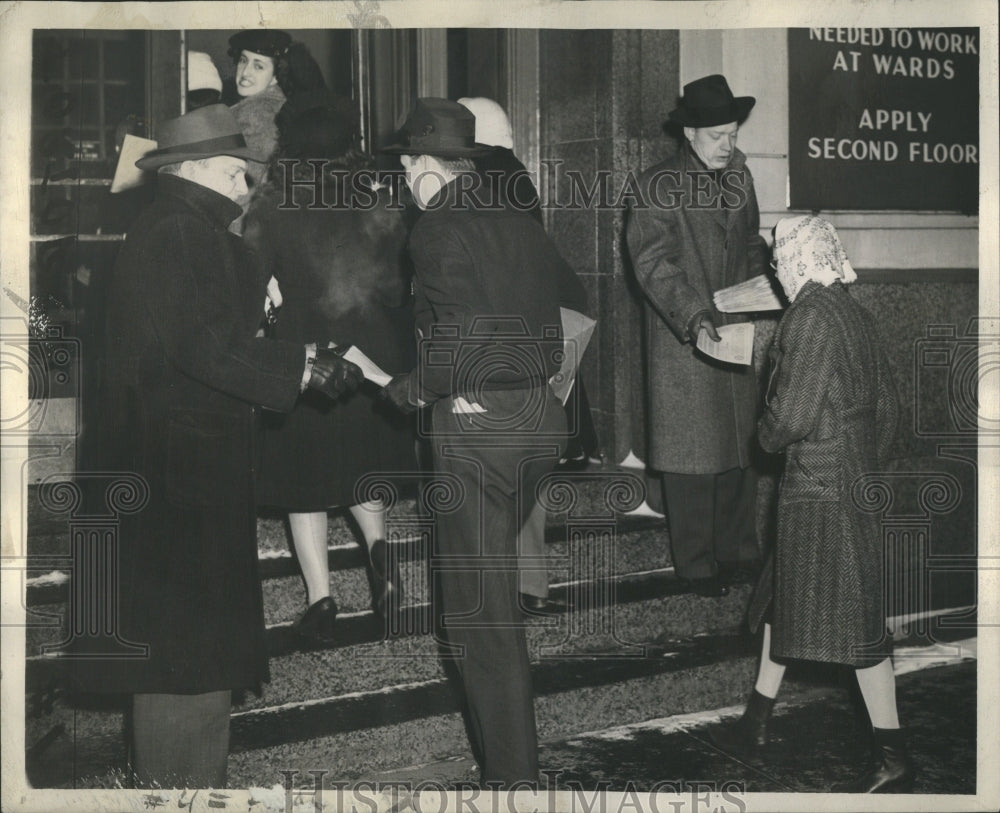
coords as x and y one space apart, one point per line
694 230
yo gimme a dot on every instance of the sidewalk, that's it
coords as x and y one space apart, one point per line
818 737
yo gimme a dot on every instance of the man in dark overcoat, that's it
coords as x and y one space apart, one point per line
694 230
184 378
488 287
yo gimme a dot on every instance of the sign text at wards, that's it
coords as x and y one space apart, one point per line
884 118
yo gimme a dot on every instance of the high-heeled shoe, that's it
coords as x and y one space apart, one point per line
316 624
894 772
748 735
387 586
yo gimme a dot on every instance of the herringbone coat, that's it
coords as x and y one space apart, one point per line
832 407
690 233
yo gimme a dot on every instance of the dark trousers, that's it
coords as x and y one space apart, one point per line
181 740
711 519
498 457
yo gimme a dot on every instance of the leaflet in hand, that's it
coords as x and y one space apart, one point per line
736 346
755 294
371 370
577 330
127 174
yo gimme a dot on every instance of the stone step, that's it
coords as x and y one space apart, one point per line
403 722
591 494
388 704
358 735
596 604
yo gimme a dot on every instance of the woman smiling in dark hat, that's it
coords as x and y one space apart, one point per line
270 68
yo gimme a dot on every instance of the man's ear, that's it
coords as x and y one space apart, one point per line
689 133
187 170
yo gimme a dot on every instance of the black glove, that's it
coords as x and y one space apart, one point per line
397 392
333 375
703 319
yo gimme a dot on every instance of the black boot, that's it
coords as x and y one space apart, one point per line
893 774
387 586
747 735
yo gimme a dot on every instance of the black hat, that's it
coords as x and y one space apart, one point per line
441 128
267 42
708 102
202 133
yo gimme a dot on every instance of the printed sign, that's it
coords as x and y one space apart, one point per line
883 118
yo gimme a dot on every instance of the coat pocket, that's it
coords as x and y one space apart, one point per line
202 449
813 471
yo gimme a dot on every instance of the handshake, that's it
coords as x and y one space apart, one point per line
333 375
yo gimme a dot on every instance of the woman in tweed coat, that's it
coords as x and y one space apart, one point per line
832 408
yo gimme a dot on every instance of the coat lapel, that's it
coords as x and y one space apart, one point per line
693 170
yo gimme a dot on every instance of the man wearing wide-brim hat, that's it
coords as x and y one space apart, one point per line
183 380
488 286
695 230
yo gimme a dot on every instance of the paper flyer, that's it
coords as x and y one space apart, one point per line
577 330
736 346
127 174
371 370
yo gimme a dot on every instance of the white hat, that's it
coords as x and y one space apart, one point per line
201 72
492 124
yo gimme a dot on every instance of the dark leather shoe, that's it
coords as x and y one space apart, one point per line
316 625
387 586
893 774
710 587
539 605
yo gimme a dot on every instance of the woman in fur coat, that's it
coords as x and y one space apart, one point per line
343 277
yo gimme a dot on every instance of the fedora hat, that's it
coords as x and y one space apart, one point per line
438 127
263 41
708 102
202 133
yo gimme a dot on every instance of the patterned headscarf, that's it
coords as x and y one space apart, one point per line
808 248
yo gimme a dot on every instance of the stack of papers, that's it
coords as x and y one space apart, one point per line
736 346
755 294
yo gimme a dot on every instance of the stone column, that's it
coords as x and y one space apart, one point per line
603 96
